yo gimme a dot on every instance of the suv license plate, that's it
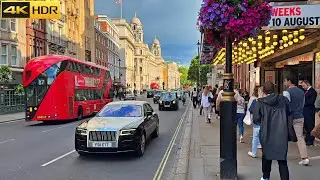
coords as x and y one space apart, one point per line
166 105
102 144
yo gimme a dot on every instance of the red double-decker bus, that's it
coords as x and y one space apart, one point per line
63 88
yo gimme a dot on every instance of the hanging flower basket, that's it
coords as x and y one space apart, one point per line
237 19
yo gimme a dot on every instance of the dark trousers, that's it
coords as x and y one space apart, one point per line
309 123
195 102
283 169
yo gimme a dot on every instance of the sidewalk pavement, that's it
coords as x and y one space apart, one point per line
204 160
12 117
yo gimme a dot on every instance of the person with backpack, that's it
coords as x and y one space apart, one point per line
271 113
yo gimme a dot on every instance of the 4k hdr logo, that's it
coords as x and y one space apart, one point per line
31 9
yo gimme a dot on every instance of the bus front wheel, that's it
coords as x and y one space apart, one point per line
80 113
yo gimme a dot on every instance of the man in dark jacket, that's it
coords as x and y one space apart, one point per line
309 111
271 113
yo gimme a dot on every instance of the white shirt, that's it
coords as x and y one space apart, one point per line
236 96
205 100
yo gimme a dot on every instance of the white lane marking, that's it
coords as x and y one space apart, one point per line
56 159
11 121
48 130
166 155
7 141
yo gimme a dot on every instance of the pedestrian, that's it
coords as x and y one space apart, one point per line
194 95
215 98
241 105
206 100
255 144
296 98
199 99
271 113
309 111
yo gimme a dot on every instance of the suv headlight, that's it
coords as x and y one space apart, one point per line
160 101
81 131
173 102
127 132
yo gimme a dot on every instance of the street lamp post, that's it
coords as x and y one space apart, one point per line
34 24
228 124
198 80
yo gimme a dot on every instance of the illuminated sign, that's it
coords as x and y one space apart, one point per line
31 9
295 16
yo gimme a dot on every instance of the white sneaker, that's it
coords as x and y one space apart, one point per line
259 146
241 139
264 179
251 154
304 162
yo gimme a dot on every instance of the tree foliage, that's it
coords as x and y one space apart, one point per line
204 70
193 73
5 74
184 76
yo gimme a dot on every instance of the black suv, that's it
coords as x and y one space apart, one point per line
150 93
156 96
169 100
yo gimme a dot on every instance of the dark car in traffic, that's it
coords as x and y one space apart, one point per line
156 96
150 93
169 100
121 126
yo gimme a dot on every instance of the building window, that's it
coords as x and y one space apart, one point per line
13 25
3 24
60 33
4 54
14 55
51 27
141 52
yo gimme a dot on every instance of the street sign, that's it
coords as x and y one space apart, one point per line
207 48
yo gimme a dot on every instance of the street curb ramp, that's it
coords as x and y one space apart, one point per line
182 165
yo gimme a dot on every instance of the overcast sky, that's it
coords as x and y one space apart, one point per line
172 21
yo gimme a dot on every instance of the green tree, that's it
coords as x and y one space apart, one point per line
204 70
193 73
184 76
5 74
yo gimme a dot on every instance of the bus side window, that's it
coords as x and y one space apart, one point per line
79 67
63 66
98 71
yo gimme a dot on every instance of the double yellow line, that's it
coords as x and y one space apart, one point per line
166 155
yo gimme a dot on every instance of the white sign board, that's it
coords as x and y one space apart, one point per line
290 17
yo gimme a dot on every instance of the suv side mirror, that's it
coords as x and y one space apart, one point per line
149 113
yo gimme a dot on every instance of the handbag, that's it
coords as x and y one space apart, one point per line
247 119
316 131
291 132
210 100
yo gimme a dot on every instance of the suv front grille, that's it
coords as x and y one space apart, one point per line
102 135
167 103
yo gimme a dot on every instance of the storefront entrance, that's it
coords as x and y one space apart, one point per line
302 71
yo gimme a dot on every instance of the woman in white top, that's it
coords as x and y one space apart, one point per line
206 100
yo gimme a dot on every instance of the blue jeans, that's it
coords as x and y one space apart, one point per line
240 117
255 138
